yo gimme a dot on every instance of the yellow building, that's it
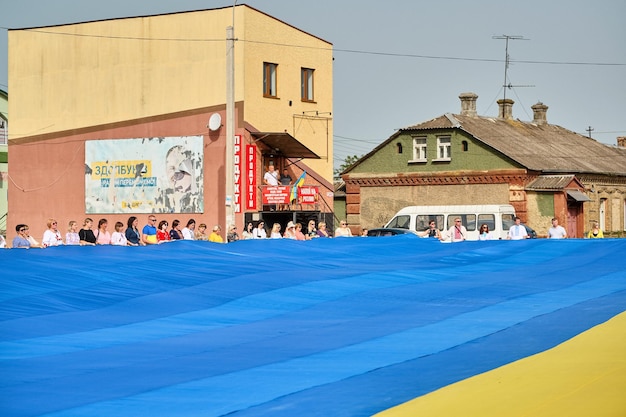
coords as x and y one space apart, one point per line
138 79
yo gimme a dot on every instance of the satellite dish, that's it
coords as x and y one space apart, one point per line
215 122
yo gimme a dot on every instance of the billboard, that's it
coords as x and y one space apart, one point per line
147 175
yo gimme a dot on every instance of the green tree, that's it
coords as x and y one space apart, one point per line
347 163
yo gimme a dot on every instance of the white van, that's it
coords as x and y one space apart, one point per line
499 218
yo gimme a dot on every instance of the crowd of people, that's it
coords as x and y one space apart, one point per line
458 233
153 233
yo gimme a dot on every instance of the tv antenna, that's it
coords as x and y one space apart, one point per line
507 84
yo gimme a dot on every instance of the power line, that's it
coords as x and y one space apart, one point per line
351 51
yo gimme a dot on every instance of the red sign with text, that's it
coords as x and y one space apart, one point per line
250 172
237 174
276 194
308 194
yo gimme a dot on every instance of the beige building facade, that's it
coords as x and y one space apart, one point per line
164 76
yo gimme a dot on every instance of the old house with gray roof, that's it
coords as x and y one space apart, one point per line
543 170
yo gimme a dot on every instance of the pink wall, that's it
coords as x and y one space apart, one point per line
47 173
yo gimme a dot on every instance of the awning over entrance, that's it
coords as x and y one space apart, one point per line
284 144
577 195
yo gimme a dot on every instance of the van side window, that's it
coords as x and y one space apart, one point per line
401 222
488 219
422 221
468 220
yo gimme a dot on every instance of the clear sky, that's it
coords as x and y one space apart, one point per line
402 62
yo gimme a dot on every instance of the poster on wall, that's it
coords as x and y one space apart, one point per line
148 175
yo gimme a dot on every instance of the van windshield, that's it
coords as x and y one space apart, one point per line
401 222
507 221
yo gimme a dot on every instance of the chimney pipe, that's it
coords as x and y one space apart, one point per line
468 104
539 113
506 108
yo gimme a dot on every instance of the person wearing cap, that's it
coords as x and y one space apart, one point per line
290 233
343 230
216 234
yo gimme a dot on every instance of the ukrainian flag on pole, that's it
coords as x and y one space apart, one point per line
296 185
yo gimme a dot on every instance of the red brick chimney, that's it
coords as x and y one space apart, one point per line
621 141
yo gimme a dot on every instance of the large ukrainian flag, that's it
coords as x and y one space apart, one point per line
400 326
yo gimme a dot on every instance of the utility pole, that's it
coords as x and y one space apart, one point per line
230 125
589 130
507 59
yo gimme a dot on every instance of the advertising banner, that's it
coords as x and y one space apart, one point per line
148 175
276 194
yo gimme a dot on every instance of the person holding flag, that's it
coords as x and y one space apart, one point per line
294 188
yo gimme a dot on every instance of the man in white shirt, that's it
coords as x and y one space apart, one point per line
271 176
556 231
457 232
517 231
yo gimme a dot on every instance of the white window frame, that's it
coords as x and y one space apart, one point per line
420 148
444 148
602 214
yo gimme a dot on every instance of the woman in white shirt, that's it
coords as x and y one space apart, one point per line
259 231
52 236
484 233
118 237
343 230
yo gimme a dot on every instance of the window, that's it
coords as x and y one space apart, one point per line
419 149
444 149
602 216
307 84
422 222
467 220
465 147
399 146
3 133
270 80
401 222
507 221
488 219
